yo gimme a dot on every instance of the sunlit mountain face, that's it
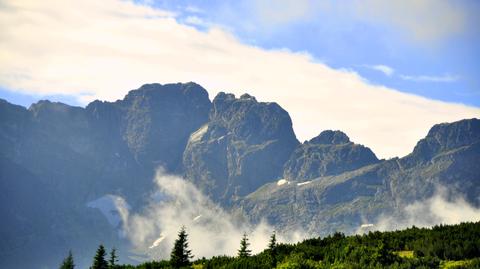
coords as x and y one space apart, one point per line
129 173
227 127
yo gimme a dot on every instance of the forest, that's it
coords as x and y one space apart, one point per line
441 246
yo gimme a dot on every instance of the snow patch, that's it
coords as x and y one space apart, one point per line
283 182
197 136
113 207
157 242
304 183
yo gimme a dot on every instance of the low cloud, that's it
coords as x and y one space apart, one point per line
211 230
441 208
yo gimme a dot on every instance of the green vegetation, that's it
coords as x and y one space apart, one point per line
112 262
68 262
244 252
181 255
99 261
443 246
404 253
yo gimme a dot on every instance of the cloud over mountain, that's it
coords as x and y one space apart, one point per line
51 48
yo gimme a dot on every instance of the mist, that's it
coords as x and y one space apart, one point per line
444 207
211 230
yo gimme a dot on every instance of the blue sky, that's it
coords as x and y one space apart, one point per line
381 71
445 68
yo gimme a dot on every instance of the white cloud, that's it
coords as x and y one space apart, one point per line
194 9
105 48
423 78
423 20
194 20
438 209
281 11
386 70
177 202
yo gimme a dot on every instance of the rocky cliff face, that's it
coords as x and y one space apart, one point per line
330 153
447 157
56 158
444 137
244 145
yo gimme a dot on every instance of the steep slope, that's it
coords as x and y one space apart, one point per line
244 145
56 159
330 153
345 201
59 158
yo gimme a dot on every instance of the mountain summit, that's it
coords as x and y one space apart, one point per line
243 145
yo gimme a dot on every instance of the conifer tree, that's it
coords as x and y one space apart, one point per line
99 261
272 249
112 262
181 255
68 262
244 252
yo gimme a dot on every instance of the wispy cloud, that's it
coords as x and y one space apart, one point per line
194 20
282 11
424 21
194 9
388 71
109 47
177 202
427 21
441 208
423 78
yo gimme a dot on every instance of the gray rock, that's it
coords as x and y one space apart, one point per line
344 201
244 145
330 153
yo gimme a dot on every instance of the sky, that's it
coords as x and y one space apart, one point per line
383 72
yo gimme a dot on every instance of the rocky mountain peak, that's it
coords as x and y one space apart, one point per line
251 120
444 137
330 153
244 145
330 137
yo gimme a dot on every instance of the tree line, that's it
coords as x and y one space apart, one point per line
427 248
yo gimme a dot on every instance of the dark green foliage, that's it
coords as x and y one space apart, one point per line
432 247
147 265
181 255
68 262
244 252
99 261
112 261
272 250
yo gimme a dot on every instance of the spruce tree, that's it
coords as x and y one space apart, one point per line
68 262
99 261
181 255
244 252
272 249
112 262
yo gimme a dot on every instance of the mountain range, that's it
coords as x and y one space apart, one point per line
56 159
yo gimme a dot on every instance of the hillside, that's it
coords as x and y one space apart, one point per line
455 246
60 165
